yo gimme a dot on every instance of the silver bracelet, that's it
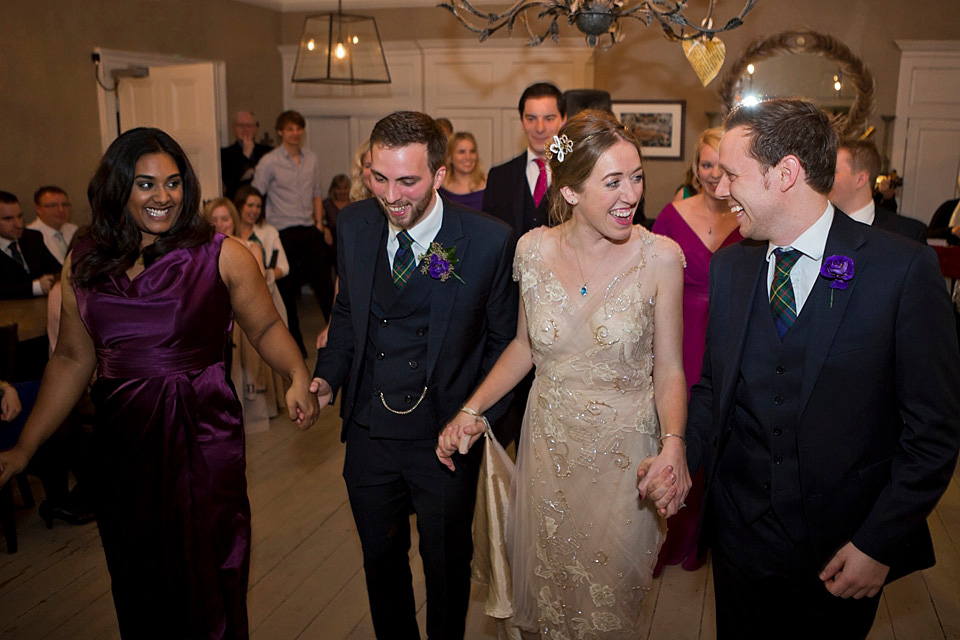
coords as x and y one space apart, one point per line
673 435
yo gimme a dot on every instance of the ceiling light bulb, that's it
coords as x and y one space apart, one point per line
750 69
837 86
341 52
311 45
356 39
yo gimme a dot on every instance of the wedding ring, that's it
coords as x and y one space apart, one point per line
682 505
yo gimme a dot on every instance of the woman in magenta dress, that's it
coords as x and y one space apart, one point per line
153 293
701 225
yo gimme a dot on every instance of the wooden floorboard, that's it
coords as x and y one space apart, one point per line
307 581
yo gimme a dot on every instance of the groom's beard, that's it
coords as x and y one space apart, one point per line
411 217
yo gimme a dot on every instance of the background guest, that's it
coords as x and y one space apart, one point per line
465 179
239 160
945 222
338 196
53 220
27 268
255 228
700 224
689 186
360 176
289 178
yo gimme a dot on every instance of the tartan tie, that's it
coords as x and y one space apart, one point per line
782 302
403 261
540 188
17 256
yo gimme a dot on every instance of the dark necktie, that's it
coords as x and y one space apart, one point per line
403 261
17 256
540 188
783 304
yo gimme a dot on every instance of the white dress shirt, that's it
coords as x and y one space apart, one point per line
57 246
811 244
422 233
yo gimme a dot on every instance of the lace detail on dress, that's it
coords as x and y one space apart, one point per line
584 546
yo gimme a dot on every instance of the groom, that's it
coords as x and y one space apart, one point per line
410 338
827 417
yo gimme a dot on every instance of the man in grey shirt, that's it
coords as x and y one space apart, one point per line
289 179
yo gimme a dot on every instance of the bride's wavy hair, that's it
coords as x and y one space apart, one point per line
114 234
592 133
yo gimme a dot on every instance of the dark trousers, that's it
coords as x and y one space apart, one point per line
309 258
767 586
385 478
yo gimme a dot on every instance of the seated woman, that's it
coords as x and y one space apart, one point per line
465 180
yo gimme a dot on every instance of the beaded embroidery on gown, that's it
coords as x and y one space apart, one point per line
581 545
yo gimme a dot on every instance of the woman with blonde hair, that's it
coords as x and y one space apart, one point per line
465 179
700 224
360 176
601 320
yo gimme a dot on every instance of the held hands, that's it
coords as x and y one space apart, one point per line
322 389
459 435
9 403
853 574
302 404
665 480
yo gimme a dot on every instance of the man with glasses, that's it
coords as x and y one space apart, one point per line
53 208
238 161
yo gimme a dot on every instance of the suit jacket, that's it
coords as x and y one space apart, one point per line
507 196
14 281
902 225
879 417
471 322
233 164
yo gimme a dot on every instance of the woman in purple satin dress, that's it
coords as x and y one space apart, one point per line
465 179
152 298
700 224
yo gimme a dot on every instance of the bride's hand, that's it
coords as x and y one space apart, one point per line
459 435
665 480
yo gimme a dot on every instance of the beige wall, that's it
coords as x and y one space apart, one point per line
645 66
48 105
48 100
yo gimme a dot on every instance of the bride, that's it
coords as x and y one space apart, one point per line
609 392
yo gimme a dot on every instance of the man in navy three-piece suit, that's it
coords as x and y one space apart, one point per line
425 307
827 417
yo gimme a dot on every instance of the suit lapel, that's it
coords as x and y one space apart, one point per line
370 240
845 239
444 294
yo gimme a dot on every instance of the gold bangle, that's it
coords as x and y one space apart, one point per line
673 435
476 415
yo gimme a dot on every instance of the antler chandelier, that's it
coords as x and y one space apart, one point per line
599 20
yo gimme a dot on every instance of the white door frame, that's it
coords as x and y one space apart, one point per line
111 59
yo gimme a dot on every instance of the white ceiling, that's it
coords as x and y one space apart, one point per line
331 5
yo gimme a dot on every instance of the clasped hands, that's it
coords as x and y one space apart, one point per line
664 479
458 436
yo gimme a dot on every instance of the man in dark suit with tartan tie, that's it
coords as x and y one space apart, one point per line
827 417
425 307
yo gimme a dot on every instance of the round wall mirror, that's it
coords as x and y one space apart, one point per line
804 64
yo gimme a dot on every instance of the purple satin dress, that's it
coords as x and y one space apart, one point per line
173 510
683 528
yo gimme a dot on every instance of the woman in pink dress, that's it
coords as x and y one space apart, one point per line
701 225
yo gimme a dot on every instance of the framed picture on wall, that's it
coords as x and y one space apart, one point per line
657 123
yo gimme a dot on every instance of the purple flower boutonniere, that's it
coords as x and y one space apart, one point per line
439 262
837 269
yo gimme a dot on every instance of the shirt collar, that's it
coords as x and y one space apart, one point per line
531 157
426 230
40 225
813 241
866 215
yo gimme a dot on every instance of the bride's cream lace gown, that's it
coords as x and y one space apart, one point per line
581 545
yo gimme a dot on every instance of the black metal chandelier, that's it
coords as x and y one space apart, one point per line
598 20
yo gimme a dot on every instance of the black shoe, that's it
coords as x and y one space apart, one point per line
68 513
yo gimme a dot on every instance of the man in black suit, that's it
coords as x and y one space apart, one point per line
27 268
858 165
238 161
827 417
410 337
516 190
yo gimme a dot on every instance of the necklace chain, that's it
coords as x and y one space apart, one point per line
583 287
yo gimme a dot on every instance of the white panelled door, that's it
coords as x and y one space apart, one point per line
183 101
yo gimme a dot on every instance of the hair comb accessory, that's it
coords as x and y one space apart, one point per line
561 147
